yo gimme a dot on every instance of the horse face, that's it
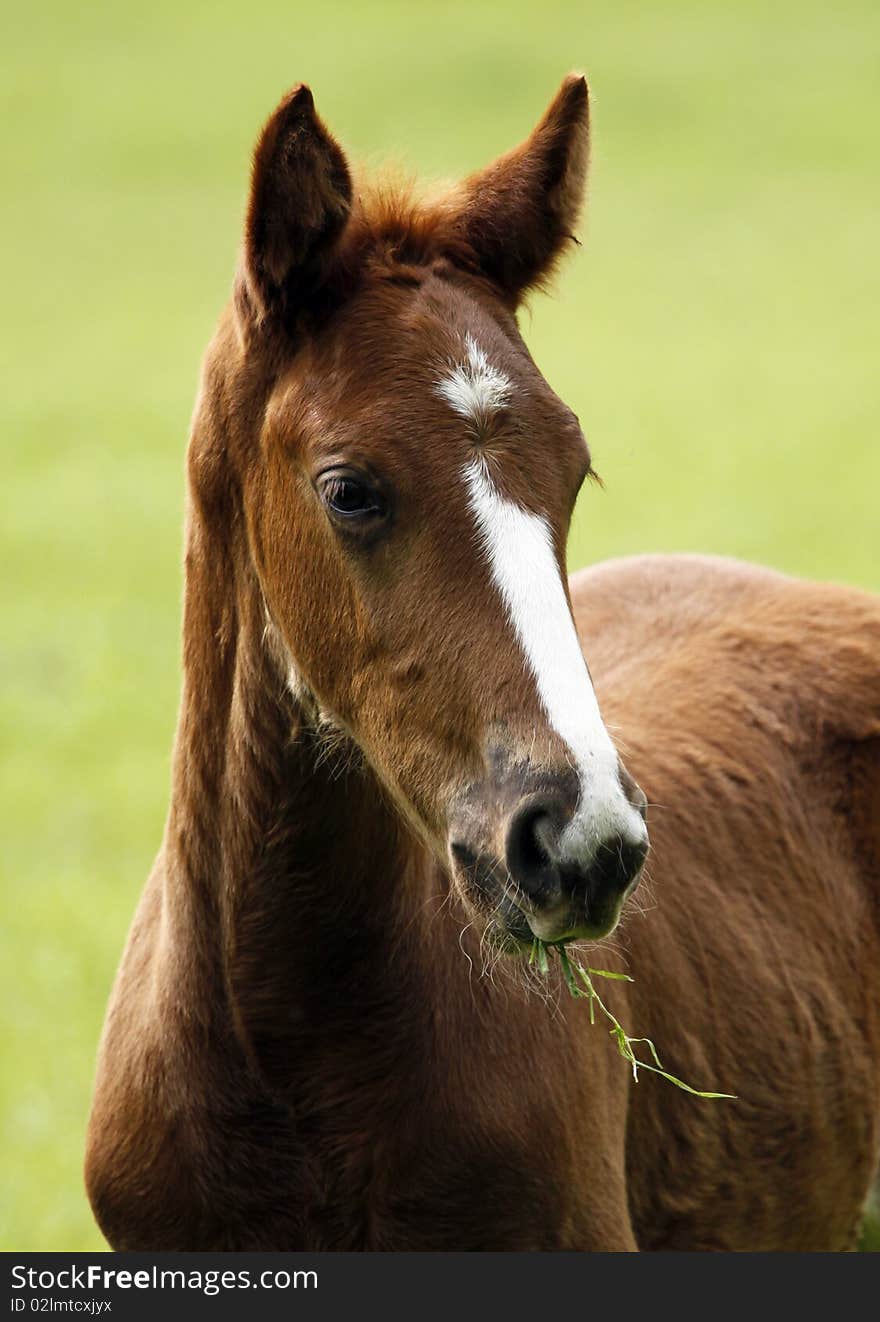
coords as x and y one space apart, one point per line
409 507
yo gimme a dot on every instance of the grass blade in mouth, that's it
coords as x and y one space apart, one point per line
539 956
579 981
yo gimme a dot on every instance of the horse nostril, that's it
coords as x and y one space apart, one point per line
530 851
617 863
464 856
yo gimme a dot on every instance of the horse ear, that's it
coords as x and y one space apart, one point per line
519 213
299 203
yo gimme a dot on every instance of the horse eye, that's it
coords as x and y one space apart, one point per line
349 496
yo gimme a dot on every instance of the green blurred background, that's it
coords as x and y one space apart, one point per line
717 335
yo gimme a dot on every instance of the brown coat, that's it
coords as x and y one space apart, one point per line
307 1045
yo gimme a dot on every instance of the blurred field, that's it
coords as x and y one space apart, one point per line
717 335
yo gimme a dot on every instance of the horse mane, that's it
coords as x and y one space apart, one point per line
400 227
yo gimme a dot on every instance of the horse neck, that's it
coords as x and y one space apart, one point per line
295 902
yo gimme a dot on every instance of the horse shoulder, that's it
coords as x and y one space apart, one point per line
748 706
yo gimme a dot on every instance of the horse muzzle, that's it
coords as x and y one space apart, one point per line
544 857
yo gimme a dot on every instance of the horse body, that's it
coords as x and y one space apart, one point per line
748 703
416 1105
317 1038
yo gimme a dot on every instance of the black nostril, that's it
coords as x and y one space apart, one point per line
464 856
617 862
530 851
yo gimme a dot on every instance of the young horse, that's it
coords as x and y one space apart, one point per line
390 766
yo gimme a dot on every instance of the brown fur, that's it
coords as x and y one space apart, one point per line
300 1050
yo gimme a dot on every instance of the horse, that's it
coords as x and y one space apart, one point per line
395 780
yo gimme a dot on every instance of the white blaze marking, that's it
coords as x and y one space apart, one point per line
525 570
474 388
